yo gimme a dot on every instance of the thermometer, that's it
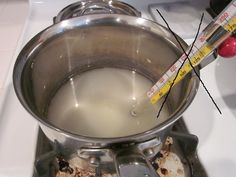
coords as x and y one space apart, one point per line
209 39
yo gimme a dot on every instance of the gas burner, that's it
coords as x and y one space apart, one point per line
95 7
177 158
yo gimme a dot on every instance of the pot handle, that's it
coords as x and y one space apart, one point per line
132 163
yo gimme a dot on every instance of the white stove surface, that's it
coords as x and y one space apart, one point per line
18 130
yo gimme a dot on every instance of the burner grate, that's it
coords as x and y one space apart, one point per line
178 158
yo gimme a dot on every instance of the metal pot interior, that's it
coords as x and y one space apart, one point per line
75 46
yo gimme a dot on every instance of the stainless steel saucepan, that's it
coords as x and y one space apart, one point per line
95 41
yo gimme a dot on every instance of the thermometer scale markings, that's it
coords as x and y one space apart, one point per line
209 39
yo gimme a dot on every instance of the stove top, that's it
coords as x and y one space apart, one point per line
19 131
178 158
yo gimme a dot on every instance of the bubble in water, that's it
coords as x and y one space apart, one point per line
133 113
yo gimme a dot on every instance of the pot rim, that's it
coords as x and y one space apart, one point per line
87 20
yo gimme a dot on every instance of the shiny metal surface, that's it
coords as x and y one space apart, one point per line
184 146
95 7
134 161
71 47
80 44
130 163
